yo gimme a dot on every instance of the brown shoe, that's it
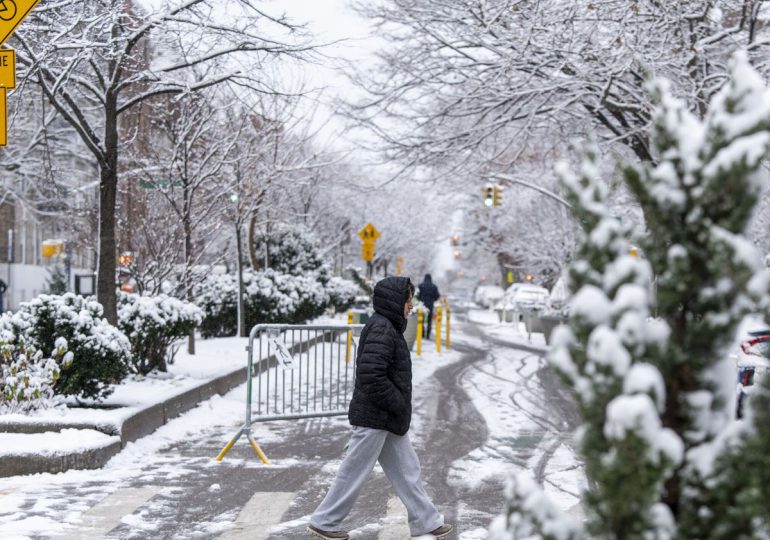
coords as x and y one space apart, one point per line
328 535
442 531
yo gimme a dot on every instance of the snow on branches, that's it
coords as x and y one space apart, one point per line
663 452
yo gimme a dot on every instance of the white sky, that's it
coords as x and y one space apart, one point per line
332 21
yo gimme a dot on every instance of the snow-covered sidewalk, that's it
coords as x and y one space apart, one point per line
74 504
86 435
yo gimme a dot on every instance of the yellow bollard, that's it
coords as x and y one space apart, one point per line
419 331
438 329
448 312
350 338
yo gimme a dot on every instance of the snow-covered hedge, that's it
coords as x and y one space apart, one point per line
270 297
342 293
153 324
100 352
27 376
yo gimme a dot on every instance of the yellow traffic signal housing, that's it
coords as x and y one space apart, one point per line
489 195
497 196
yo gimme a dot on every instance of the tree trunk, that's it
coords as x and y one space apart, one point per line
252 247
188 256
108 188
239 254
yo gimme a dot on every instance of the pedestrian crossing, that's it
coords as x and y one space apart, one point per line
260 518
395 525
97 522
257 515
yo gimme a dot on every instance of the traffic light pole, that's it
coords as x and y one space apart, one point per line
542 190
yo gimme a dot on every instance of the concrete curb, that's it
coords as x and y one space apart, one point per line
136 426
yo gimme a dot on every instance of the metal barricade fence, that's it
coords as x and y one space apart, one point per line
301 371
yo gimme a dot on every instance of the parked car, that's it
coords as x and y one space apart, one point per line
486 295
524 297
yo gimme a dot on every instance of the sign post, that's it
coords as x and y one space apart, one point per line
12 12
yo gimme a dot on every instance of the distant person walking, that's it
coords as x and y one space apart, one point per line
428 295
380 413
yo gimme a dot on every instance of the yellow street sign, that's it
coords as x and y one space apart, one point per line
3 119
12 12
7 68
367 251
369 233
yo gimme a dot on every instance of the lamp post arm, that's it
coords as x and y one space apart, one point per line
524 183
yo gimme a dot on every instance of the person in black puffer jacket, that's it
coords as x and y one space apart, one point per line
380 413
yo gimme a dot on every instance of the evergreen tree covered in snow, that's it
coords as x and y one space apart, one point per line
57 280
289 249
664 455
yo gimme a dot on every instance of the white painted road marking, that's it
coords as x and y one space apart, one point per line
257 516
105 516
395 523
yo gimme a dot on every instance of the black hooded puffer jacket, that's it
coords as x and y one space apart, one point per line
382 398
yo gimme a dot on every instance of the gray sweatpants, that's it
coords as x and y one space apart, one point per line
401 466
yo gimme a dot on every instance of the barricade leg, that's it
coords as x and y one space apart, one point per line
229 445
246 428
258 450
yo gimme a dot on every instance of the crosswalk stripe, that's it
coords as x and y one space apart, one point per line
396 526
257 516
107 514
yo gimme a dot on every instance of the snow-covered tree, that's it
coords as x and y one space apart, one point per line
57 280
664 455
99 62
456 76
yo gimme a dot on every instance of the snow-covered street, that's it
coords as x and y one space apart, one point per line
482 411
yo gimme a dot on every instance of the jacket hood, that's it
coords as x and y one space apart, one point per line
427 279
390 295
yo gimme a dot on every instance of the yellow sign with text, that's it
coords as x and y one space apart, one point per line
7 68
12 12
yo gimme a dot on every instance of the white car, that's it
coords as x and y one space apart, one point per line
523 297
487 295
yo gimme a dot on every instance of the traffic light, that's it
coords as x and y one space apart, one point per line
489 195
497 196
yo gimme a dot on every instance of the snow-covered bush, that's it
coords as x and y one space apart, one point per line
270 297
663 452
153 324
342 293
288 249
100 352
27 376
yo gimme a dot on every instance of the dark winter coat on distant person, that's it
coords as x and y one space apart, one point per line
382 397
428 292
